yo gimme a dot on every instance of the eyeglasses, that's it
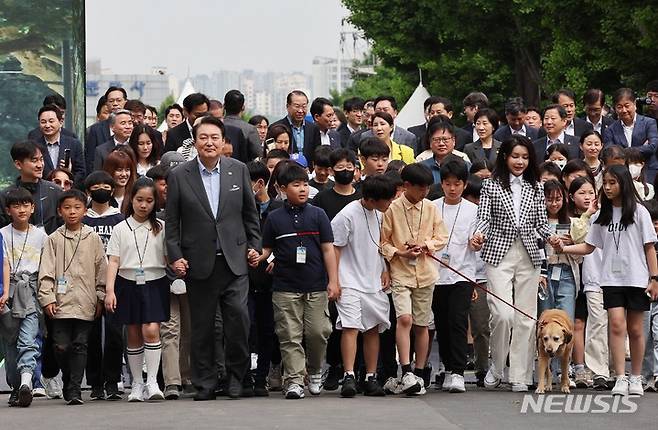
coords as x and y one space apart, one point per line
298 106
64 183
442 139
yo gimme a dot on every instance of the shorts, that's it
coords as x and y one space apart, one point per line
363 311
629 298
581 306
416 302
142 304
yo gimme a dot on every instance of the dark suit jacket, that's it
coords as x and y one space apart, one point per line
644 132
77 157
476 153
176 136
192 232
345 134
572 142
605 123
97 134
580 126
354 142
505 132
102 152
36 135
309 134
334 138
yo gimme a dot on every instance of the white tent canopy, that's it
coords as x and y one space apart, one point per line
413 113
186 91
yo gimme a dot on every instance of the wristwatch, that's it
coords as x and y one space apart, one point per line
653 278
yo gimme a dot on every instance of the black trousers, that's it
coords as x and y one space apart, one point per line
450 305
49 366
70 338
223 287
104 359
334 357
262 331
388 364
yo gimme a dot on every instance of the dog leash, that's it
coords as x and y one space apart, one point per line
475 284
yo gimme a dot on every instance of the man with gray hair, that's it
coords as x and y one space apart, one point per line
121 124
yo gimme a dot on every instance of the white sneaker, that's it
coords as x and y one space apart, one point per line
457 384
153 392
635 386
392 386
519 388
120 387
621 386
409 384
421 381
447 382
39 392
52 387
315 384
491 381
295 391
136 392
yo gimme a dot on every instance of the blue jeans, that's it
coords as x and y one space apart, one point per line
561 294
22 349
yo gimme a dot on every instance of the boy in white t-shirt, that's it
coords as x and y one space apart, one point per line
363 276
452 294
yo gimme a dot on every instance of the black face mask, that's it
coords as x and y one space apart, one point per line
344 177
101 196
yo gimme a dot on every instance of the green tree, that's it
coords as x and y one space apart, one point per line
387 80
520 47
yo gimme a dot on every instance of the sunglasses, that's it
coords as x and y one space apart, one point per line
64 183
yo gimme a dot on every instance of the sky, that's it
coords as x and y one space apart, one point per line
200 36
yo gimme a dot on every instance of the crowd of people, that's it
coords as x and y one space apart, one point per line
327 250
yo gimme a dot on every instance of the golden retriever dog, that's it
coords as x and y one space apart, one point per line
554 339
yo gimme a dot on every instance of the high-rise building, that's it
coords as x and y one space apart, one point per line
331 74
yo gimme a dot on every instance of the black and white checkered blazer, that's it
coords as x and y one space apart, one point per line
496 220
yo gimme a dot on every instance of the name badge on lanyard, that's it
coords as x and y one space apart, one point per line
140 276
301 255
62 285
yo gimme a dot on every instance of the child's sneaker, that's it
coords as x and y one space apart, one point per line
136 393
580 379
392 386
519 388
600 383
457 384
153 392
621 386
315 384
295 391
97 393
447 381
652 385
372 388
75 400
635 386
409 384
52 387
39 392
24 396
491 381
349 386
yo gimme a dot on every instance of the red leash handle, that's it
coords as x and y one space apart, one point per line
475 284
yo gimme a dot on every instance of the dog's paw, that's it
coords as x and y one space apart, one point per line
549 388
565 389
539 391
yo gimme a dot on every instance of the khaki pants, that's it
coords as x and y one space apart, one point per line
297 317
175 337
515 280
596 335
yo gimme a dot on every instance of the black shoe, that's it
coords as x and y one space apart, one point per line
24 396
372 388
438 381
221 388
480 378
470 363
349 386
600 383
172 392
204 394
112 391
75 400
97 393
427 375
260 389
234 389
13 398
333 378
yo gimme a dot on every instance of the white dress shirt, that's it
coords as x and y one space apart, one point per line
324 138
521 131
570 129
516 185
628 130
549 141
597 126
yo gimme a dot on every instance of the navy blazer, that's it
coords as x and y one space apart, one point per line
645 137
78 167
505 132
580 126
309 135
97 134
334 139
572 142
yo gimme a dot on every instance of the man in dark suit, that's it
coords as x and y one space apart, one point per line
233 108
303 132
555 120
633 130
99 133
121 123
212 229
323 113
54 145
195 105
435 106
353 108
472 103
59 101
515 113
593 101
575 126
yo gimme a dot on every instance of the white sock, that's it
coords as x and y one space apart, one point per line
26 379
579 367
135 361
349 372
152 352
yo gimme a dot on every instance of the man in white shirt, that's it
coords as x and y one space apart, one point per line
555 122
593 101
323 114
574 126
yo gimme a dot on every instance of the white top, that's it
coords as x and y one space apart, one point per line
623 247
570 129
122 245
597 126
356 232
516 185
628 130
460 221
324 138
520 132
29 259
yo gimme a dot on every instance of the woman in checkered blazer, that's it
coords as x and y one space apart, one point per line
511 217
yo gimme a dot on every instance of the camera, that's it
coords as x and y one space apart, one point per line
643 101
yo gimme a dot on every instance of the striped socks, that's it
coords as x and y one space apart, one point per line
152 353
135 361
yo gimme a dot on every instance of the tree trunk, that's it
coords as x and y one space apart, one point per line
528 77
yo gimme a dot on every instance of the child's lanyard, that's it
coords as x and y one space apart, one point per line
420 221
141 255
75 251
14 266
459 207
379 225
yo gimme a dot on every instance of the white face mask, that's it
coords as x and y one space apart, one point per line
560 163
635 169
